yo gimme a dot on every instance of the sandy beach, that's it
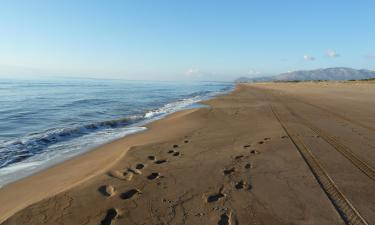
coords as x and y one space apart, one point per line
267 153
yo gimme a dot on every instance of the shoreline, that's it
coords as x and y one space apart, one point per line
69 166
47 145
231 161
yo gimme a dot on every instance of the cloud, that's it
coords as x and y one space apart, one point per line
308 58
192 72
253 72
332 54
199 74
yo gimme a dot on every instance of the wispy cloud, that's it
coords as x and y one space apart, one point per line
308 58
253 72
192 72
332 53
199 74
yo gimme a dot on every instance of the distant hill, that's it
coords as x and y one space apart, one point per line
340 73
332 74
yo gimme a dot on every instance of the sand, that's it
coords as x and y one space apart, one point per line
271 153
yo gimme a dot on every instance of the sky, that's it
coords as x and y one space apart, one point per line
183 40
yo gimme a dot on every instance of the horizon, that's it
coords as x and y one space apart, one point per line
65 78
182 41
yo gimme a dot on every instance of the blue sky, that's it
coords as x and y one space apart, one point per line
182 40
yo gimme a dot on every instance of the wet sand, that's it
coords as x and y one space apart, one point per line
271 153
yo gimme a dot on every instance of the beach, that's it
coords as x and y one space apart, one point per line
266 153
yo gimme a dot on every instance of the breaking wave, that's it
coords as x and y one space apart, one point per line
31 152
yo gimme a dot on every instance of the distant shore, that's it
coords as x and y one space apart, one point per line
235 162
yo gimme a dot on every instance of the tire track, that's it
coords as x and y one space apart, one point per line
343 206
342 117
341 148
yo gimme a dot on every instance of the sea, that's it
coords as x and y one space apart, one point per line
44 122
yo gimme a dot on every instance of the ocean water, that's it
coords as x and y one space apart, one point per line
48 121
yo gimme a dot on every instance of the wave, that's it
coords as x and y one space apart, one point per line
35 143
171 107
19 150
89 102
189 100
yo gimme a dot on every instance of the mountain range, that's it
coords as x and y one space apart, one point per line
331 74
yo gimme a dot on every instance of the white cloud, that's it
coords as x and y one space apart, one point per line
332 53
308 58
253 72
192 72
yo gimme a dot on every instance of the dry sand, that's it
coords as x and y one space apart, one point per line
265 154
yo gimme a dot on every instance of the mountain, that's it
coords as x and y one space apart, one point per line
337 74
340 73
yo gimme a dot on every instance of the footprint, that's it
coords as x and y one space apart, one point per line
134 171
128 176
267 138
161 161
239 185
238 157
254 152
175 146
129 194
153 176
186 141
246 146
248 166
176 154
170 151
215 197
224 219
199 214
229 171
139 166
109 217
283 137
107 190
116 174
261 142
151 157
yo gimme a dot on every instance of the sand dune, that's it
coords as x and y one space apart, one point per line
265 154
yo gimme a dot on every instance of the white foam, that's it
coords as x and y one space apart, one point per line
60 152
178 105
